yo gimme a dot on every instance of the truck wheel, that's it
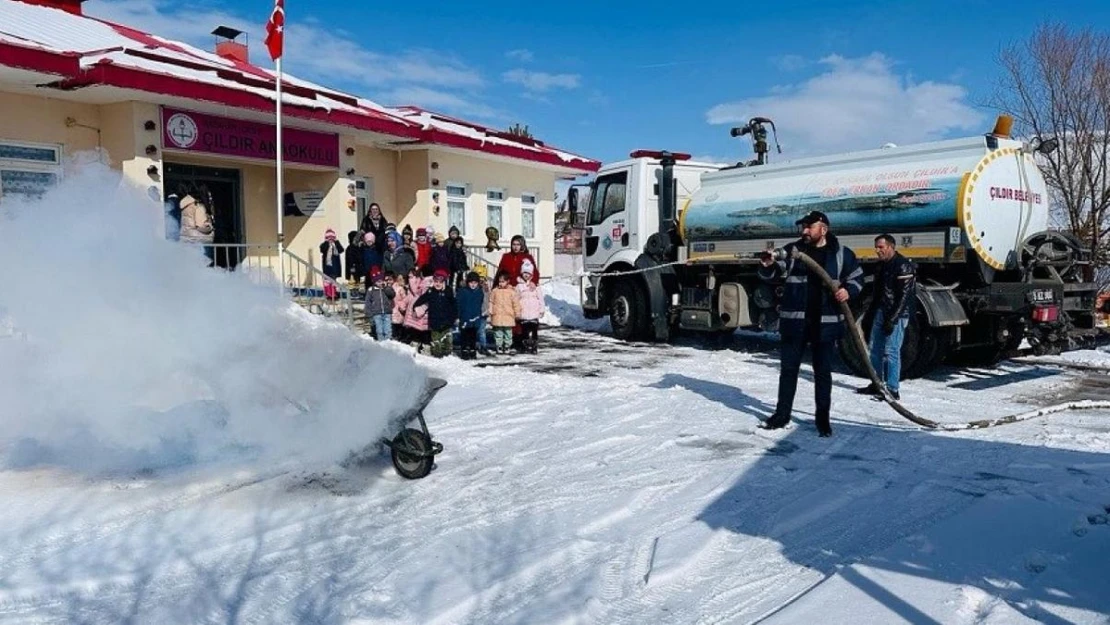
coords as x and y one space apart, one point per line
920 348
628 312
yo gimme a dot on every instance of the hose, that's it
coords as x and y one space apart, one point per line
856 335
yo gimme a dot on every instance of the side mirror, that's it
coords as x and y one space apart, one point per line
572 201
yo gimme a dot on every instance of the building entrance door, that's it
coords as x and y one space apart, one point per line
221 190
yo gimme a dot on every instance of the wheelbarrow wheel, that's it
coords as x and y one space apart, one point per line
412 466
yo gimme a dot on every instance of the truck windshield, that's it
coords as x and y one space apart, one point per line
607 198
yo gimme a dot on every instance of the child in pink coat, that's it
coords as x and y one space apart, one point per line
399 303
416 317
531 307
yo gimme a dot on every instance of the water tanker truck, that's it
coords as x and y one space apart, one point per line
671 245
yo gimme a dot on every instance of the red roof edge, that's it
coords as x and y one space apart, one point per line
544 155
441 137
127 78
39 60
67 65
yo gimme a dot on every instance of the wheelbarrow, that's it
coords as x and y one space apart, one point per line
413 450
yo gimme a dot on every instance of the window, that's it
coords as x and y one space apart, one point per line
456 206
362 197
528 215
493 217
456 216
495 199
28 170
607 197
528 223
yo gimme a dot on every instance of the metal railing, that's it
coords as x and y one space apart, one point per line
317 292
478 254
305 284
257 260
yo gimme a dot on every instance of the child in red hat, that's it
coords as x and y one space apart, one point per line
442 314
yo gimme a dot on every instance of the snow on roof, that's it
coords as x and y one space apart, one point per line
486 136
105 53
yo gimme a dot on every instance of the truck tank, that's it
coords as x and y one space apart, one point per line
939 200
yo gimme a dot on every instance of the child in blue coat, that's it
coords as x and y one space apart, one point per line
470 299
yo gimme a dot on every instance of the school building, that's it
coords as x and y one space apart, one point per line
170 115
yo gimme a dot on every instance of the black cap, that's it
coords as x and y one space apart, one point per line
813 217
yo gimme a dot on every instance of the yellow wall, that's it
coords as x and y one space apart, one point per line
40 119
125 140
483 174
380 166
412 189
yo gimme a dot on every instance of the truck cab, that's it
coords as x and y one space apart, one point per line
622 212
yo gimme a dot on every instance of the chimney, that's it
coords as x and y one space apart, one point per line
227 47
69 6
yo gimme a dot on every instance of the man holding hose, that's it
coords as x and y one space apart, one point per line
809 314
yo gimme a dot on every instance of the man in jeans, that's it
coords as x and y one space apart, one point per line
892 302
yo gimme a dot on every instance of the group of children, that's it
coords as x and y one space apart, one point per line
420 288
426 310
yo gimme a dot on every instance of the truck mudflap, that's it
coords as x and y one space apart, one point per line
658 302
941 307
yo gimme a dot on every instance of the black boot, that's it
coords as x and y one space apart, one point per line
824 428
870 389
775 422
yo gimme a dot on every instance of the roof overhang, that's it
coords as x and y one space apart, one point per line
560 170
119 64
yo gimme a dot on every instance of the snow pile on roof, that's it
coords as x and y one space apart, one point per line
98 41
124 364
482 134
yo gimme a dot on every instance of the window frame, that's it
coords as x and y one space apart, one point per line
52 167
597 199
498 205
530 207
457 198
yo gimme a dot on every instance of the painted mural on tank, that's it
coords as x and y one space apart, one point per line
928 207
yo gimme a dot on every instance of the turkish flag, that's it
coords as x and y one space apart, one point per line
275 30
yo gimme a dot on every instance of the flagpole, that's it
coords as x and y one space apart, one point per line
280 185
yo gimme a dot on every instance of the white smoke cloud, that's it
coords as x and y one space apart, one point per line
125 351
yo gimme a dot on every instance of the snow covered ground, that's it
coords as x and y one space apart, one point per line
595 482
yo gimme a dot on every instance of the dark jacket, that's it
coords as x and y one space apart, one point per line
458 261
441 258
353 256
841 265
442 310
335 269
379 301
895 291
400 262
367 225
470 306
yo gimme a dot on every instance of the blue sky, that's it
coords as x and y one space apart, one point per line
604 78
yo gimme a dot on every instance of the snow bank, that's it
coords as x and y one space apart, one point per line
124 351
564 308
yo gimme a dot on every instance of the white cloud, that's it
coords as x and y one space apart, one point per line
790 62
521 55
855 104
313 51
542 81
